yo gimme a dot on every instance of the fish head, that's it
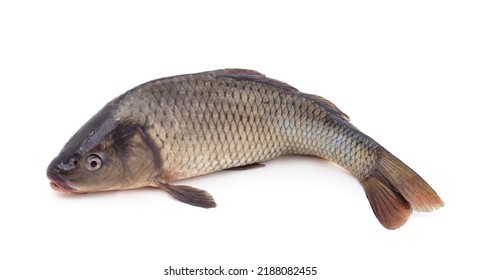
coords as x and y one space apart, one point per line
105 154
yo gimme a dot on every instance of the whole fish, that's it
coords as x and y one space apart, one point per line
184 126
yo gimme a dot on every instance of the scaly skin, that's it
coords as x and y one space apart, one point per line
184 126
211 121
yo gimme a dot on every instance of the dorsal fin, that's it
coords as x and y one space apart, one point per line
328 104
254 76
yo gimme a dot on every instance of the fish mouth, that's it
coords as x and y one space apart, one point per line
58 184
61 187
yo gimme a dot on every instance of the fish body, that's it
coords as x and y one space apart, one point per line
189 125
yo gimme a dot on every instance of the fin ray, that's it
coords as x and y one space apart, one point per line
390 208
411 186
394 190
328 104
190 195
254 76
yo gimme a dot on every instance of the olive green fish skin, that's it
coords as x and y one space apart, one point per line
184 126
205 122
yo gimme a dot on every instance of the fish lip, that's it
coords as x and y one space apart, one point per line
59 184
56 186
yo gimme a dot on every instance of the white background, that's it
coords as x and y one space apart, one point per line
407 73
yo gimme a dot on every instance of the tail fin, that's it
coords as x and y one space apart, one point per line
394 190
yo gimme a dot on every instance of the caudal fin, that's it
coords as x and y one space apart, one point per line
394 190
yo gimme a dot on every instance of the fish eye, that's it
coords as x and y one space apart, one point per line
93 162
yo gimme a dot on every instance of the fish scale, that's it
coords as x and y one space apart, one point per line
256 122
184 126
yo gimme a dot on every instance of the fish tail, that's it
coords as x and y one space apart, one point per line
394 190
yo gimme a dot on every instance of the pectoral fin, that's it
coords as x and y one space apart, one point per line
190 195
246 167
